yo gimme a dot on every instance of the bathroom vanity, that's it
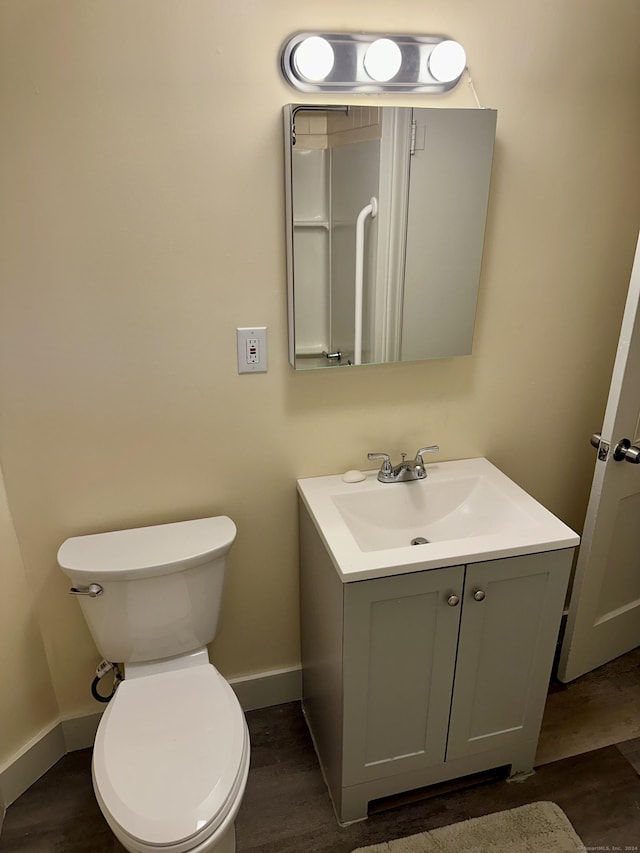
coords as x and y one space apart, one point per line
423 663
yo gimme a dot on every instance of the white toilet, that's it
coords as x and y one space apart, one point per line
171 754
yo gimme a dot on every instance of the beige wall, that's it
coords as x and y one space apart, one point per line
142 221
27 701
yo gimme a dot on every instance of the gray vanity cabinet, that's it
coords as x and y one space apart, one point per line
399 655
505 652
422 677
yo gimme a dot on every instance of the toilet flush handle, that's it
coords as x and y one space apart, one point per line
94 590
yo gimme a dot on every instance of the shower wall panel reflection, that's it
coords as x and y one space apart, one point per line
429 172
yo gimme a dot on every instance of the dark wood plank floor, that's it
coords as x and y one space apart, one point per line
598 709
286 807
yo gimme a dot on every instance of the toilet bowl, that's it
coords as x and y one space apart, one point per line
171 754
171 759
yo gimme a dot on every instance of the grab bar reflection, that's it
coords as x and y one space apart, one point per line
371 210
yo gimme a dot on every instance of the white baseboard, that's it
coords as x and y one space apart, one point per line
31 762
36 757
265 689
80 732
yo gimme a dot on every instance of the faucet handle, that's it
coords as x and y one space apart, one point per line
386 464
431 449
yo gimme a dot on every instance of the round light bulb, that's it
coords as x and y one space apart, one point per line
447 61
382 60
313 58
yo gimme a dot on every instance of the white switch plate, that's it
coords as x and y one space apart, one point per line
252 349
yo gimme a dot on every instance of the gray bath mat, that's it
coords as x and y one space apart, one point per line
534 828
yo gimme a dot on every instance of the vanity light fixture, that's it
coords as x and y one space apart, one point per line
369 62
313 58
382 60
447 61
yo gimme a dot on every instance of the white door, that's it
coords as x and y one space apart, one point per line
604 614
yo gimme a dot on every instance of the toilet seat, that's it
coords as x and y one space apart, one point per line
171 758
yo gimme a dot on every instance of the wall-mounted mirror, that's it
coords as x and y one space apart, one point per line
386 211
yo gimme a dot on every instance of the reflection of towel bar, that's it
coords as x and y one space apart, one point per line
371 210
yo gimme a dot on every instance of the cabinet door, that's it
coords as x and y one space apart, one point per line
400 637
507 643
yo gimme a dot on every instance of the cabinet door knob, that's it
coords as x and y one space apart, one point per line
453 600
478 595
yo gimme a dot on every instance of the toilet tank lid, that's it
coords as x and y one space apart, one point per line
146 551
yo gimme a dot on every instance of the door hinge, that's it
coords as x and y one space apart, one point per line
412 144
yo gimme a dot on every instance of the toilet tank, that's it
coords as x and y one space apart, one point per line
161 586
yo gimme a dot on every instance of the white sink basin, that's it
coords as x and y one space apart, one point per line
466 510
437 510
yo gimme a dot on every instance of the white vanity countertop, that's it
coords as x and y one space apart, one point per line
468 510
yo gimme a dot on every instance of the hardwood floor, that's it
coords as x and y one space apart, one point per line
286 807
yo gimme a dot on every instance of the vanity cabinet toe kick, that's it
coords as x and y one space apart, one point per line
428 676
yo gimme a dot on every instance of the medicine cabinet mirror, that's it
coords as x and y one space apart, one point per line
386 211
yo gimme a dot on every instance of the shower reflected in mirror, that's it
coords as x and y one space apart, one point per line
386 211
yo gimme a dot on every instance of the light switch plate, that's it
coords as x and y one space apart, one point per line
252 349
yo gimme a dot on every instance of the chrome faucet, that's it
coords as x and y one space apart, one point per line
405 471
